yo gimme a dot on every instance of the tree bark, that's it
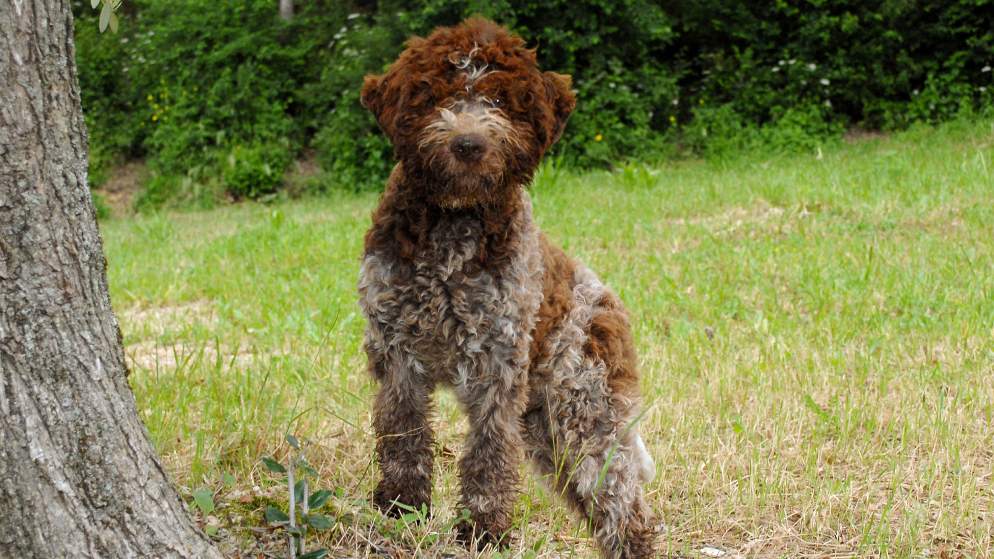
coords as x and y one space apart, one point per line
286 9
78 475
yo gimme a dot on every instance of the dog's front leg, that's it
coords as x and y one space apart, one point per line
489 467
404 437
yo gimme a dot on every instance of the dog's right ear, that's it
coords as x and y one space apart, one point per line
371 98
381 98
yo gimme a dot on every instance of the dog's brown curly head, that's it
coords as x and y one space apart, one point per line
469 112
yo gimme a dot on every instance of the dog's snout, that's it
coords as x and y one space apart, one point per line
468 147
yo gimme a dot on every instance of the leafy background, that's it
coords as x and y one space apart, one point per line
221 98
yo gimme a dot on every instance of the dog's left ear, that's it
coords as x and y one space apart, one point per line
558 89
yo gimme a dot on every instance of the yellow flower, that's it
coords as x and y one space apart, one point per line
150 98
598 138
673 120
155 117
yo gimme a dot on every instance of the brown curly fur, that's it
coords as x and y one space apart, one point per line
460 289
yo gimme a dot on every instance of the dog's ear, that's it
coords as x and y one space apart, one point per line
379 100
558 90
370 96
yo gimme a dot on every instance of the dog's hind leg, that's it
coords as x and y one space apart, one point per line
599 472
404 438
581 425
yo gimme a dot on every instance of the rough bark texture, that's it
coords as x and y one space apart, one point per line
78 476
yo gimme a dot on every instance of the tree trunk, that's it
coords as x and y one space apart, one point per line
286 9
78 475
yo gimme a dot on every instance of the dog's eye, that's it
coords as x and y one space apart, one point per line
497 102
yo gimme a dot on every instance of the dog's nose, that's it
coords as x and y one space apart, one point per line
468 147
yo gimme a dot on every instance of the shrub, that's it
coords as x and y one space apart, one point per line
190 84
255 170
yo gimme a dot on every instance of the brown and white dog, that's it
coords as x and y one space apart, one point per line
461 290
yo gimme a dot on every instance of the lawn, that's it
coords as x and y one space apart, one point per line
816 335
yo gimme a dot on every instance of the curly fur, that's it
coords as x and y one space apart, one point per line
461 290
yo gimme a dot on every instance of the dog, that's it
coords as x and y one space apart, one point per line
460 289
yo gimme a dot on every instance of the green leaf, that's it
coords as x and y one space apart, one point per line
94 4
318 499
274 515
293 441
298 491
316 554
404 507
810 403
113 23
211 531
308 469
228 479
204 499
273 466
319 521
294 530
105 14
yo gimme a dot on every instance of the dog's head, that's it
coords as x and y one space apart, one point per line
469 111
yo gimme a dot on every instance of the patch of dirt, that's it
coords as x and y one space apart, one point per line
300 173
856 135
124 183
152 322
153 356
732 218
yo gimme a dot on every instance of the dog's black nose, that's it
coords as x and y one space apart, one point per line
468 147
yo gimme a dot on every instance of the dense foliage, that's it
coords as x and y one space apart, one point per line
222 97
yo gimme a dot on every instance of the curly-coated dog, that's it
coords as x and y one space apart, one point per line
460 289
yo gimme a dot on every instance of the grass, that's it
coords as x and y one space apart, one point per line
816 336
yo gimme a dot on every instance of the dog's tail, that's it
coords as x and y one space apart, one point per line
647 467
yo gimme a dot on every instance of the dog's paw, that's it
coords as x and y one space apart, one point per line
469 534
392 502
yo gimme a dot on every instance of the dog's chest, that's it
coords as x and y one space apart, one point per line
445 310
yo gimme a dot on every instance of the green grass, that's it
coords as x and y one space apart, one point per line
816 337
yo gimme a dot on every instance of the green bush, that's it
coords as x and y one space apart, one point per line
255 170
191 84
348 143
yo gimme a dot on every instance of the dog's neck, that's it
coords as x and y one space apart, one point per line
404 220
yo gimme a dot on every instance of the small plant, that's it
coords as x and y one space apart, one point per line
297 472
255 170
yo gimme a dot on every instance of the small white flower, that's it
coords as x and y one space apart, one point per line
776 68
352 16
792 61
914 92
676 102
983 89
828 103
986 69
812 67
781 63
824 81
